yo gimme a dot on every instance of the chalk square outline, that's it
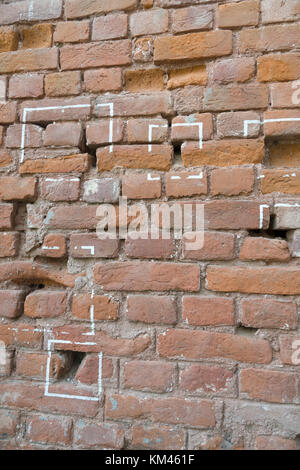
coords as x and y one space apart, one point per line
43 108
74 397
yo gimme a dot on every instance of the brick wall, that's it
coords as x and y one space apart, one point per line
146 344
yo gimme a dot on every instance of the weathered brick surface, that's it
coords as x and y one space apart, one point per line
115 114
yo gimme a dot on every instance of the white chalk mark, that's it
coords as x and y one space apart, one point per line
151 127
247 122
196 177
175 177
261 214
111 123
287 205
50 248
189 124
149 178
91 248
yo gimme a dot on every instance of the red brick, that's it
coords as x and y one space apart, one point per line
172 410
97 248
103 307
274 11
6 216
269 38
78 163
283 128
192 19
190 130
15 188
192 46
8 422
195 344
72 31
153 376
285 95
267 313
31 396
72 217
30 10
8 112
151 309
24 271
100 80
45 304
110 27
3 87
290 350
135 104
233 70
223 153
98 133
101 190
232 182
33 365
235 215
188 100
235 15
143 276
232 124
268 385
70 109
60 189
28 60
207 311
88 370
23 335
236 97
207 379
141 186
186 183
49 429
216 246
9 244
259 248
103 435
9 39
260 280
37 36
62 83
161 438
138 130
104 54
63 134
149 22
149 248
11 303
135 156
32 137
54 246
274 443
102 342
75 8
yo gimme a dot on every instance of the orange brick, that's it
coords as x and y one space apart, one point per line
278 68
223 153
192 46
259 248
9 39
187 76
281 181
269 38
135 156
37 36
186 183
207 311
285 154
71 163
140 186
28 60
72 31
104 307
144 80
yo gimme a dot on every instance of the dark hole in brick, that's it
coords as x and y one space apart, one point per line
92 152
76 358
245 331
297 439
270 232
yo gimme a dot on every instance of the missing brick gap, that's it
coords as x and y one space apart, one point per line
76 358
92 152
244 331
270 232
